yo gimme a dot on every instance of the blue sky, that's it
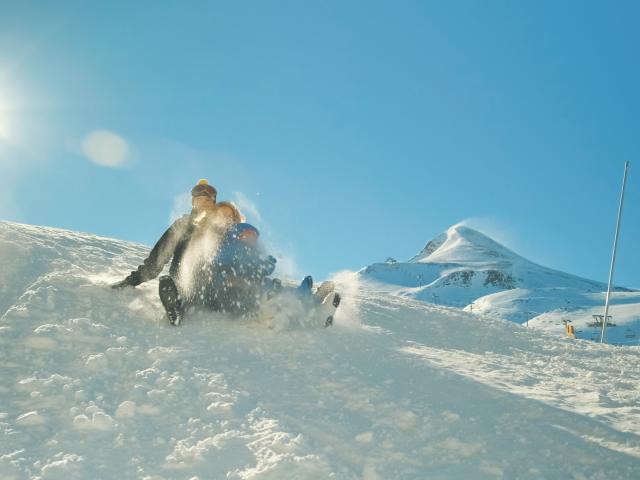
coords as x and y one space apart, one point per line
358 130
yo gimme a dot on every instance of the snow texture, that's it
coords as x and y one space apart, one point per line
96 384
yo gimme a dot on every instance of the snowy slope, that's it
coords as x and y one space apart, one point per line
465 268
95 384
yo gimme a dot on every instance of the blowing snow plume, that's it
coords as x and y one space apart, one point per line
199 257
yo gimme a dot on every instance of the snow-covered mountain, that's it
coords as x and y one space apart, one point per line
464 268
95 384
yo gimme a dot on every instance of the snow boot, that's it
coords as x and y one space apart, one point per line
171 300
306 285
335 303
323 290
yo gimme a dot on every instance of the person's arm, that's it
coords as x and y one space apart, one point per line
266 265
159 256
238 258
257 264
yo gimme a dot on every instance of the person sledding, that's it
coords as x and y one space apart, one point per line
241 283
216 262
190 243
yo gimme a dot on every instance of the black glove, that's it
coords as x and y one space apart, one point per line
132 280
121 284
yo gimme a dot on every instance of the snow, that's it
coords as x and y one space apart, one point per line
464 268
462 244
97 384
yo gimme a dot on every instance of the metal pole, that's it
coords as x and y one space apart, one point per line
613 255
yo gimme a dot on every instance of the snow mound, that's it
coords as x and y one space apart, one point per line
96 384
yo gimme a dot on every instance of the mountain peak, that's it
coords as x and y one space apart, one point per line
463 244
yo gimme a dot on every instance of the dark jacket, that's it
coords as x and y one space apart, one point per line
240 272
173 243
241 259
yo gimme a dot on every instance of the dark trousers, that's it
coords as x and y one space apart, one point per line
220 295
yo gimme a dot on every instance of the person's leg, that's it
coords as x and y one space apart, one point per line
238 297
236 300
171 300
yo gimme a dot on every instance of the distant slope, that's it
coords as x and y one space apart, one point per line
95 384
465 268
